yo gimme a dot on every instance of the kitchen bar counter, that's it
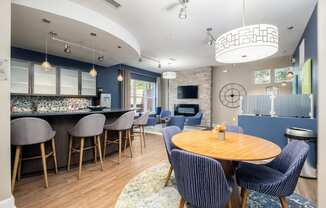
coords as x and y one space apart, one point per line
61 122
65 113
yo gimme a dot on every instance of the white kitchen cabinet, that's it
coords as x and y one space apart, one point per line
68 82
88 84
45 82
20 77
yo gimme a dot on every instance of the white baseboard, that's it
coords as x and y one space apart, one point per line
8 203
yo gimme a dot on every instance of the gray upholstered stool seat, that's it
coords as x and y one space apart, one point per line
122 124
139 123
90 126
29 131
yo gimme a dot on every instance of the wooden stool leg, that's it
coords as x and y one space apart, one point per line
54 157
105 143
14 174
126 140
46 183
130 143
120 144
141 140
284 202
143 133
95 150
182 203
81 157
20 166
69 153
99 151
168 176
244 193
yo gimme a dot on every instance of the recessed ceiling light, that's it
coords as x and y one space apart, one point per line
225 71
284 84
93 34
67 48
46 21
100 58
119 47
291 27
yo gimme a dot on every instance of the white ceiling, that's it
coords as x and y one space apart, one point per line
162 35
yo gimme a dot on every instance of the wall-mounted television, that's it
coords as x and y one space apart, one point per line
188 92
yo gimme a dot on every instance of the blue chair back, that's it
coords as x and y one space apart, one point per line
290 163
199 115
158 110
234 128
178 121
200 180
168 133
165 114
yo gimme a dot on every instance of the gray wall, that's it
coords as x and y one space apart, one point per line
244 75
5 192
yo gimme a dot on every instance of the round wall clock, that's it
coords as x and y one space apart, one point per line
230 94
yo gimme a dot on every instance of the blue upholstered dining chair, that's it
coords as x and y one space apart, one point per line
168 133
277 178
178 121
234 128
194 120
200 180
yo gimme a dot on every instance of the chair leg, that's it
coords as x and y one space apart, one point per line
143 133
141 140
81 157
69 153
14 174
20 166
105 143
284 202
95 149
54 157
126 140
99 150
130 142
46 183
182 203
229 204
244 194
120 144
168 176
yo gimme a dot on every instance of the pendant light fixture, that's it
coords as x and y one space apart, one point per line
247 43
120 76
46 66
93 71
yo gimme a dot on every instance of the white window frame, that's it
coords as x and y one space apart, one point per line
145 97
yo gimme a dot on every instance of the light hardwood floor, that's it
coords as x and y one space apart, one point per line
100 189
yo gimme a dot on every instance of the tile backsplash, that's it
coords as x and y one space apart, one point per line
48 104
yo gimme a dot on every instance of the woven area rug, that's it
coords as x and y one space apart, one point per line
147 190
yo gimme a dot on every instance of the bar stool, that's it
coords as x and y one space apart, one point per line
90 126
139 123
122 124
29 131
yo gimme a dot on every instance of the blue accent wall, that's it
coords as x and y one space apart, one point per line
107 76
273 129
310 37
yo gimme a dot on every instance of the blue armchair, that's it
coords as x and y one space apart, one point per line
194 120
200 180
168 133
165 115
234 128
178 121
277 178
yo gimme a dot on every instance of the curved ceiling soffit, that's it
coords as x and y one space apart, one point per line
82 14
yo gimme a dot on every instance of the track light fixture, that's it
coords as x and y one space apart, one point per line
183 12
159 65
67 48
100 58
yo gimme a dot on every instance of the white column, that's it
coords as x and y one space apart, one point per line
6 199
322 103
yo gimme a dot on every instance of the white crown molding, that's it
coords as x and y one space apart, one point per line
85 15
8 203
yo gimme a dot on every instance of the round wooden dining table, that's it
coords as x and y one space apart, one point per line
235 147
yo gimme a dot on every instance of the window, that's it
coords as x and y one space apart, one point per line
263 76
142 95
281 75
